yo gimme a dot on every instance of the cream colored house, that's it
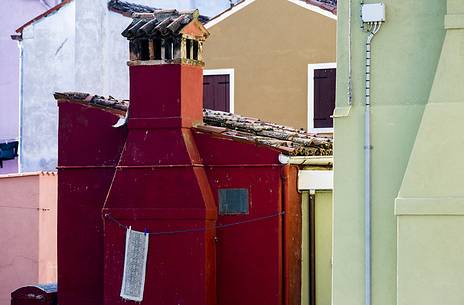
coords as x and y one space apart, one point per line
275 57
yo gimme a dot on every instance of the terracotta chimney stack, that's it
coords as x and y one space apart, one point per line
160 183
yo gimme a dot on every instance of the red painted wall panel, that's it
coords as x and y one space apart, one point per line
249 256
88 150
234 152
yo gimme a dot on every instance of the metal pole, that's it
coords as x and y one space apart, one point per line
367 174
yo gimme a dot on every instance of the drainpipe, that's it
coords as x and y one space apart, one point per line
21 100
350 80
372 16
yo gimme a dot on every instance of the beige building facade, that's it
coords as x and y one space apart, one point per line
269 48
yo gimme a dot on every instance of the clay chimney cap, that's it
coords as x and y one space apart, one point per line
160 23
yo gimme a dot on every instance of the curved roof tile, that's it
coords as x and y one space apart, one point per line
295 142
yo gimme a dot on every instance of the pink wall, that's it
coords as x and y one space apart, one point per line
28 231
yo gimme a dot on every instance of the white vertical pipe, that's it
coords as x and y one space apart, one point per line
367 174
21 101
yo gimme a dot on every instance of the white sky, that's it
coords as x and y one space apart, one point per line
208 8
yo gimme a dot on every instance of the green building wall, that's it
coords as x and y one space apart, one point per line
430 204
323 243
405 56
322 201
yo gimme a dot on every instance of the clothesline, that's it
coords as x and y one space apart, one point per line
256 219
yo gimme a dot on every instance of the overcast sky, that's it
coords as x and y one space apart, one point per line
208 8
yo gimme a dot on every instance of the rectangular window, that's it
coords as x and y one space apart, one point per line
216 92
144 49
233 201
168 48
321 97
218 89
188 48
195 49
157 45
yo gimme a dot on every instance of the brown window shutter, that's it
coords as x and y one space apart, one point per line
216 92
324 97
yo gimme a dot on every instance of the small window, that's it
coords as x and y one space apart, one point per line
216 92
195 49
233 201
144 50
168 47
188 48
321 97
157 46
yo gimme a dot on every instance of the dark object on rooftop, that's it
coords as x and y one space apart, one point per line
8 151
159 23
328 5
45 294
127 9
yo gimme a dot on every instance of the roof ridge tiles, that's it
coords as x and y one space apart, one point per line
289 140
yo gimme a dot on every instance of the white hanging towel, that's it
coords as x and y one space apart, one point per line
135 264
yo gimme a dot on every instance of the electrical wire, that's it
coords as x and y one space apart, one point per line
252 220
24 208
350 70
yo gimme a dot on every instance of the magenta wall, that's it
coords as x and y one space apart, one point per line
14 14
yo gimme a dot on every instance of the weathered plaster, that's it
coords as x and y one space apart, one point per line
48 49
79 48
10 19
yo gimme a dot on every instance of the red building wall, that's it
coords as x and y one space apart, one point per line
89 148
167 179
249 255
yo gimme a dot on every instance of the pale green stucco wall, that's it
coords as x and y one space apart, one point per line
323 235
323 243
430 204
304 248
405 55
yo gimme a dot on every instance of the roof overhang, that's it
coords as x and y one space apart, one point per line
315 180
227 13
39 17
316 8
321 8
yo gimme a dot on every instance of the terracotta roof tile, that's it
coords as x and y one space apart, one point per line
160 22
127 8
295 142
328 5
